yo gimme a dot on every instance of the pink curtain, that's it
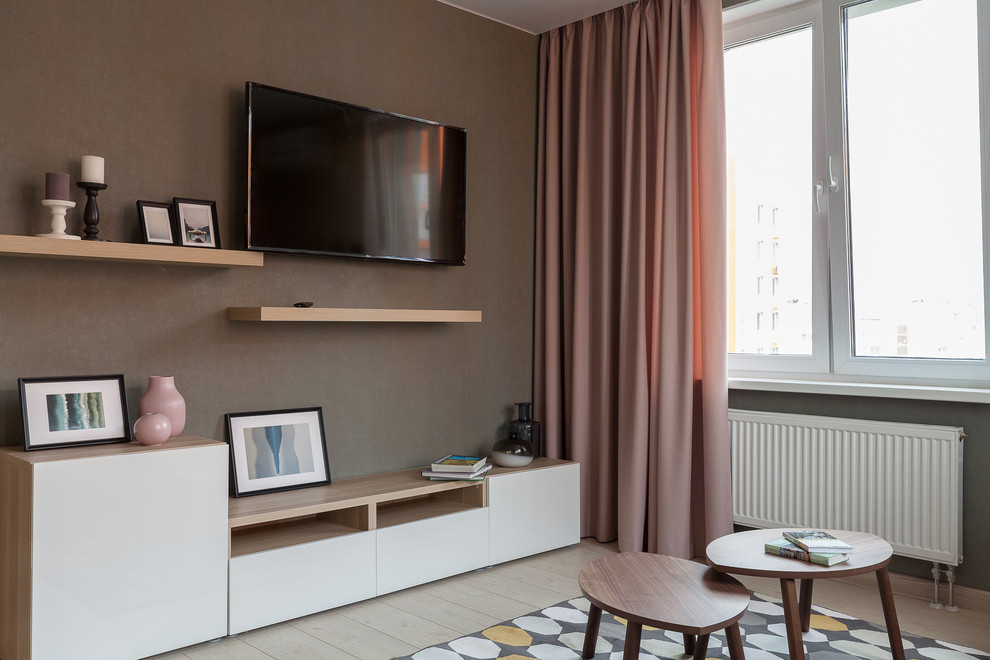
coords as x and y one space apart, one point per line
630 284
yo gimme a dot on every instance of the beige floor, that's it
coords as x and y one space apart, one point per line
402 623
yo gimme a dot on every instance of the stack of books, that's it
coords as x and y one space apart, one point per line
458 468
813 546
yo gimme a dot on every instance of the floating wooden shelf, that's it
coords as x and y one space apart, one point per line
35 246
360 315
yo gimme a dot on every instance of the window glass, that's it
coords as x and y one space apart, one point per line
769 134
914 179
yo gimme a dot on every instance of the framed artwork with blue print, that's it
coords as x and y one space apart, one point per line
277 450
69 411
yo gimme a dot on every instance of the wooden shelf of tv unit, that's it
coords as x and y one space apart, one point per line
340 314
270 536
55 248
277 520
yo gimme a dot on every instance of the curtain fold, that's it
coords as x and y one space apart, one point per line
630 282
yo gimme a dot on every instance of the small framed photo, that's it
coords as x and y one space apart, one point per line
196 222
277 450
72 411
156 222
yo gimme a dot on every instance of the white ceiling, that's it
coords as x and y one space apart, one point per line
536 16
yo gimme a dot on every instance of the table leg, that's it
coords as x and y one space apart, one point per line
805 604
701 647
688 644
634 632
792 619
890 614
735 642
591 631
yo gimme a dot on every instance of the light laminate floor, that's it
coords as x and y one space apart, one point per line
401 623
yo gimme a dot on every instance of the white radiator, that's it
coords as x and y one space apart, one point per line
902 482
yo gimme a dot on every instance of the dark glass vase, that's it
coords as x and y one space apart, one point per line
526 428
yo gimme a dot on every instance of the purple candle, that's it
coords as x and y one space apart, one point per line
57 185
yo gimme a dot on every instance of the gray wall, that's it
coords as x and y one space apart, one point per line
974 418
157 88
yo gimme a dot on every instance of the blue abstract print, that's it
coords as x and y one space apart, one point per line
274 451
74 411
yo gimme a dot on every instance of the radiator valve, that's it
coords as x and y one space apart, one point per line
950 578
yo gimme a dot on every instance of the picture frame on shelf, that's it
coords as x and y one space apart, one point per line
276 450
196 222
71 411
157 226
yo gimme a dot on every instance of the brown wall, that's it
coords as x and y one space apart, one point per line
157 88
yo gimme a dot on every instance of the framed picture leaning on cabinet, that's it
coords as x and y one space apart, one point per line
277 450
73 410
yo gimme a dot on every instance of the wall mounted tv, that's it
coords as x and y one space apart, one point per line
331 178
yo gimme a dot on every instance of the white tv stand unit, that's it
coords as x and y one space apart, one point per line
303 551
121 550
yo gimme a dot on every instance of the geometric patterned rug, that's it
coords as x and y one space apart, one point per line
557 633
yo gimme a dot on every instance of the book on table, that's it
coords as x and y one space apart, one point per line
455 463
785 548
477 475
817 541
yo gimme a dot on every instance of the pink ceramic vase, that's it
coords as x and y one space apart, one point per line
162 397
152 429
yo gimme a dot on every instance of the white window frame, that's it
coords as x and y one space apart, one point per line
751 28
832 339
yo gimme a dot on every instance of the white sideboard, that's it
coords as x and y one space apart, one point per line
366 536
124 551
112 551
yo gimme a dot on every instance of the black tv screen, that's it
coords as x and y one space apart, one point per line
331 178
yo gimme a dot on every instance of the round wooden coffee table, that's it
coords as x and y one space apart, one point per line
663 592
743 554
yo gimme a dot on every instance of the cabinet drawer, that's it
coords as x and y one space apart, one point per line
286 583
534 511
418 552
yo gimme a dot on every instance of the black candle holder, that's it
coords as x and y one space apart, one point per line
91 214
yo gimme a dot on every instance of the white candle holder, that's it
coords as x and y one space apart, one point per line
58 208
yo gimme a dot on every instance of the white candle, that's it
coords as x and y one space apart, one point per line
92 169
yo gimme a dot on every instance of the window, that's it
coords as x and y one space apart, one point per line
858 146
